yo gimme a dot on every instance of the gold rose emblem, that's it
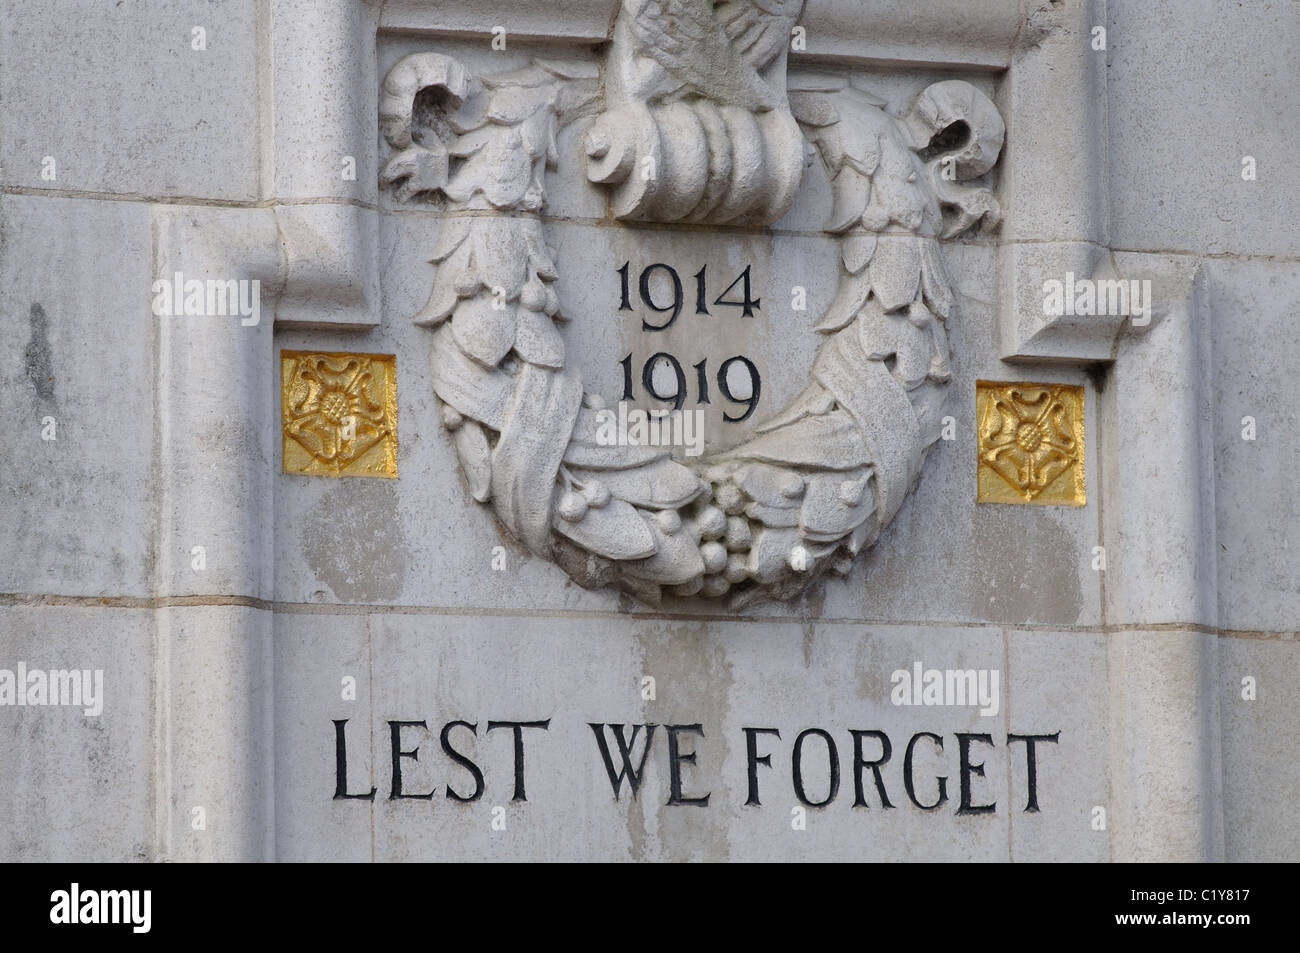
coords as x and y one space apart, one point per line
1030 443
339 414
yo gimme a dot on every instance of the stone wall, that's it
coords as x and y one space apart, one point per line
240 613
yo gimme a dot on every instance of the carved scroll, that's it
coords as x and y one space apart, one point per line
697 126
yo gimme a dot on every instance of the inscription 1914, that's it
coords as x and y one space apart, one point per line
738 294
868 752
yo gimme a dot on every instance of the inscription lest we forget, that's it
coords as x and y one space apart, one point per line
871 763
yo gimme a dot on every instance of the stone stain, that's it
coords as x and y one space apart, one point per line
813 605
354 543
1035 575
38 361
693 682
871 675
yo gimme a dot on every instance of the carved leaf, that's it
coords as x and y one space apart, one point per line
536 135
473 141
475 459
862 535
647 592
552 307
813 109
835 504
536 340
512 105
772 486
769 558
850 296
583 567
587 448
814 400
676 560
614 530
759 31
895 272
542 264
502 250
885 335
929 401
934 279
570 69
414 170
850 190
451 237
662 484
484 331
531 76
898 186
856 252
500 168
976 207
915 346
472 113
865 158
454 274
940 369
775 516
830 442
466 386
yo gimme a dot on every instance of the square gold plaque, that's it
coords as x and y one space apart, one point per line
339 414
1031 443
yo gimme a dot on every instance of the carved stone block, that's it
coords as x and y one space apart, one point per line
339 414
707 132
1031 443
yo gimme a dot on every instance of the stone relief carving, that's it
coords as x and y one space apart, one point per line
339 414
697 125
698 89
1031 443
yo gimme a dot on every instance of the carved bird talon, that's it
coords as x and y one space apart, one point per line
690 43
976 206
415 169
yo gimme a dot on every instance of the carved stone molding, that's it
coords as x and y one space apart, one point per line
819 480
955 32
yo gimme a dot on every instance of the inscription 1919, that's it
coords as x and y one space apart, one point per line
749 307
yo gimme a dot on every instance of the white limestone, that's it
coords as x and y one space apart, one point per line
238 612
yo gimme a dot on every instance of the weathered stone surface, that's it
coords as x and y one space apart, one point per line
81 786
79 399
1260 760
129 101
542 211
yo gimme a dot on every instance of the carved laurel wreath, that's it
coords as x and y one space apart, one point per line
699 87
